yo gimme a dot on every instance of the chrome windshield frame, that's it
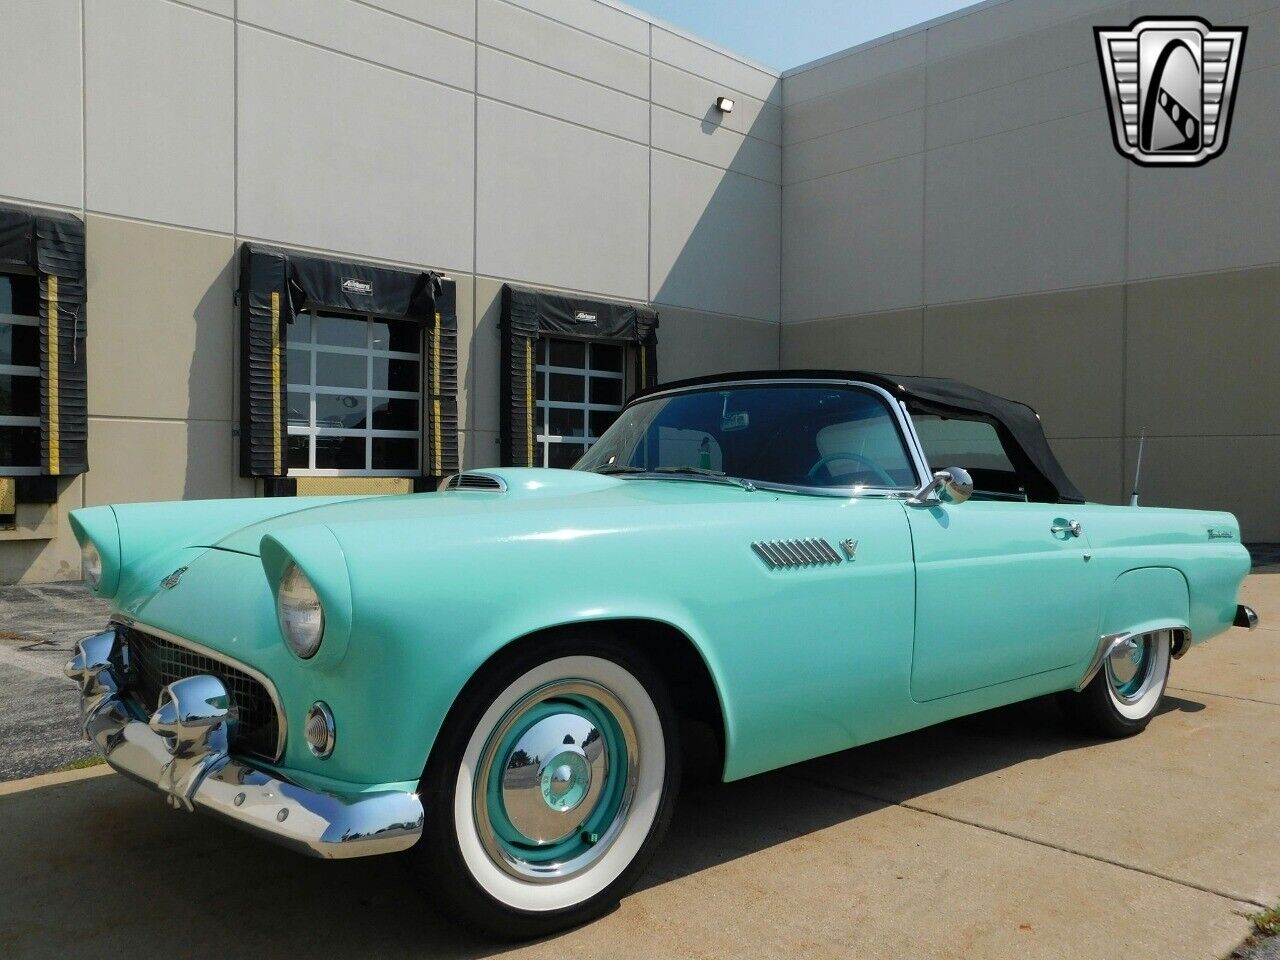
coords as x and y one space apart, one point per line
911 443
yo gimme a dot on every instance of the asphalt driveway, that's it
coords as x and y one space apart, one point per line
1000 835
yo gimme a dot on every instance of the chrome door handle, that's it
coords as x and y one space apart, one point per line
1070 526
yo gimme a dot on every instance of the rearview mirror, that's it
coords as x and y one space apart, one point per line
950 486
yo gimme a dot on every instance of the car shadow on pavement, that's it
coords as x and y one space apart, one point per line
99 866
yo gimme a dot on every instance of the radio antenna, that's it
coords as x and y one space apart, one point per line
1137 472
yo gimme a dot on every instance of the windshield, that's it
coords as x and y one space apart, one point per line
807 435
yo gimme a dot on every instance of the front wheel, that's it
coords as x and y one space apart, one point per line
549 788
1124 694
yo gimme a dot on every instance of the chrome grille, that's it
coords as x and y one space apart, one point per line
780 554
475 481
149 663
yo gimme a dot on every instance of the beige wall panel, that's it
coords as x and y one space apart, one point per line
691 344
1059 352
160 113
1095 467
162 337
854 68
1050 96
1204 355
456 16
1213 473
480 449
1003 54
536 38
705 62
535 87
858 146
881 343
707 141
874 100
370 34
45 560
696 96
142 460
851 243
40 105
1033 209
566 209
482 382
406 200
714 239
1223 215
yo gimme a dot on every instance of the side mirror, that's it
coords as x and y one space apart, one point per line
953 485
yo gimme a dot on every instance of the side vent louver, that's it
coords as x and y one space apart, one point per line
475 481
779 554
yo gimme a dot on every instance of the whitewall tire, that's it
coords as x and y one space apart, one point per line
550 787
1126 691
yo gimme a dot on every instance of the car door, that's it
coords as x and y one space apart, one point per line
1004 588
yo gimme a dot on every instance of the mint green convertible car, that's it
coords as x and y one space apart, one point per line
498 676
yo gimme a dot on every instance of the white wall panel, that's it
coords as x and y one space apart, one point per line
897 136
528 35
705 62
715 242
540 88
854 69
708 142
40 117
456 16
370 34
696 96
868 102
1040 208
347 156
852 242
560 205
1222 215
600 19
160 112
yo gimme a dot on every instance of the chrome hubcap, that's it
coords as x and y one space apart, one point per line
1127 668
556 780
548 774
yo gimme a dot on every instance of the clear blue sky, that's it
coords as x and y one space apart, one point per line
786 33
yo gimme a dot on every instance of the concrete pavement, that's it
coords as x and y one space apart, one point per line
1000 835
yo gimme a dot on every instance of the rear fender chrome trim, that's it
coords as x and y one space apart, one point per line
1112 642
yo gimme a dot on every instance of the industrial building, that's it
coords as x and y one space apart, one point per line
264 247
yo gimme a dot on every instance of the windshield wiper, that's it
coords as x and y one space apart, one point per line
695 472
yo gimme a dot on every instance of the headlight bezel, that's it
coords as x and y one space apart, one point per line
299 612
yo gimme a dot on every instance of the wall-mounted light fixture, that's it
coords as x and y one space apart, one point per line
724 104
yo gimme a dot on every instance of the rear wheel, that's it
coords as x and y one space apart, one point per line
1124 694
549 787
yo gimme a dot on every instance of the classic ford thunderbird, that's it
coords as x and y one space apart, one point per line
498 676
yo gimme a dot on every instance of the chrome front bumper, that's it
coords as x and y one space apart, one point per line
182 752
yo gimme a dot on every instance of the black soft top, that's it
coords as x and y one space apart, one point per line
1016 423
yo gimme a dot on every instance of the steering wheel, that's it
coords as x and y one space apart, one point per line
857 457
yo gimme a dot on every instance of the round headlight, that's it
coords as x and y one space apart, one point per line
301 616
91 560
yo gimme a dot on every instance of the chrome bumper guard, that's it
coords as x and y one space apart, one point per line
182 752
1245 617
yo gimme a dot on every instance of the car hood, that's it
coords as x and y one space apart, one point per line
528 495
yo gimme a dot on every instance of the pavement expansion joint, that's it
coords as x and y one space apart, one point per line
1013 835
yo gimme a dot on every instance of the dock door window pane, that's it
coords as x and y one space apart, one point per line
580 393
355 395
19 374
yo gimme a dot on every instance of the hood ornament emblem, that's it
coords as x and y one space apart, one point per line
172 579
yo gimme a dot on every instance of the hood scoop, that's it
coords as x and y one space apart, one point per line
479 482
